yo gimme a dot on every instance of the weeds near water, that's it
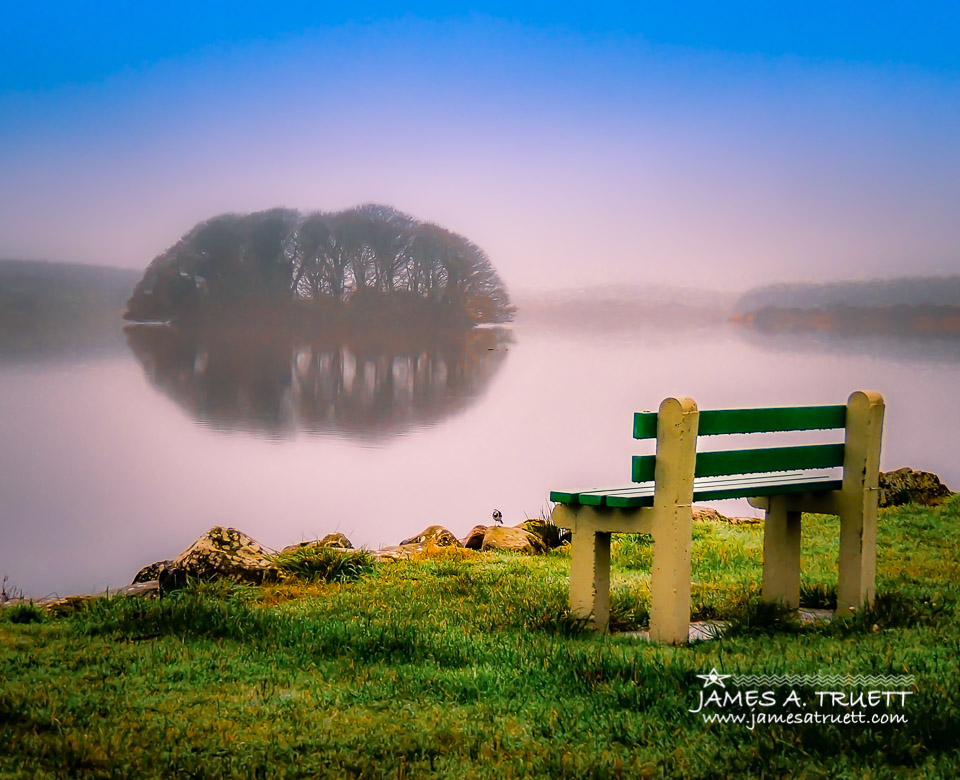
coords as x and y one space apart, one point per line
9 593
23 613
325 564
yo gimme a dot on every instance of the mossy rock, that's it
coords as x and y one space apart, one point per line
906 486
435 535
518 539
474 539
336 540
220 553
152 571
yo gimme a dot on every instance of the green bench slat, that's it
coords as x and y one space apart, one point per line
758 461
715 494
645 425
644 467
811 456
714 422
705 489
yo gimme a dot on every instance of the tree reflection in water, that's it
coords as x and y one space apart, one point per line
277 382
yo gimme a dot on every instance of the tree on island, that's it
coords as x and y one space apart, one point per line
367 256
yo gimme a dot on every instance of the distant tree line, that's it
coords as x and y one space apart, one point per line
370 254
903 291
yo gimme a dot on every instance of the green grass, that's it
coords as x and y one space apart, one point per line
469 665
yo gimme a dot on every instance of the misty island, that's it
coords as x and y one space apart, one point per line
361 321
346 268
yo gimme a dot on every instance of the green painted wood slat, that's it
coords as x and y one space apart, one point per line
713 422
643 468
645 425
785 418
715 494
811 456
756 461
705 489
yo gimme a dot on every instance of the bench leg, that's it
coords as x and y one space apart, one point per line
858 508
590 577
670 579
858 554
781 555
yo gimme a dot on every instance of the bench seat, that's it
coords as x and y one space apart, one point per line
706 489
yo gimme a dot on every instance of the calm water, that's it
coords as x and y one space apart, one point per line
113 461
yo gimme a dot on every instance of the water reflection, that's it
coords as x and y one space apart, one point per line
276 382
897 348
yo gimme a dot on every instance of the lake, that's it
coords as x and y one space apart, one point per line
124 456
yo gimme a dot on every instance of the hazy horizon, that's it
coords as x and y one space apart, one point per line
621 146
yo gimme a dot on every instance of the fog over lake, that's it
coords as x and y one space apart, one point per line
111 461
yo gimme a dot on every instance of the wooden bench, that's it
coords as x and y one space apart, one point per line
784 481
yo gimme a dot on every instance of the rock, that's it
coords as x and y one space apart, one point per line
406 552
171 579
517 539
337 540
552 536
474 539
151 571
906 486
69 605
707 513
711 515
149 588
435 535
220 552
395 553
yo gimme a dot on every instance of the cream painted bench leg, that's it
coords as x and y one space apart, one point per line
781 554
858 501
590 578
670 579
677 423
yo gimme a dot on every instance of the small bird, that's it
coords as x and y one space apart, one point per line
497 517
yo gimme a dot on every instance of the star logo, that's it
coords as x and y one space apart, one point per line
713 678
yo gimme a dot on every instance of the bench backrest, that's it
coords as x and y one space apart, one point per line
752 461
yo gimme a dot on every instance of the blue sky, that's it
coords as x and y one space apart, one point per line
708 143
51 44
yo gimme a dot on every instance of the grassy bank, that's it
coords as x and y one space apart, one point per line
468 665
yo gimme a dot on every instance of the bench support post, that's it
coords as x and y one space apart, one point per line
858 501
781 554
677 423
590 577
